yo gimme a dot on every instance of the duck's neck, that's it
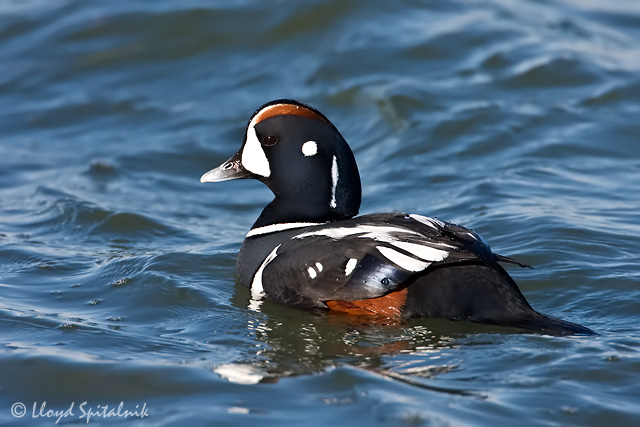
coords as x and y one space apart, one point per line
329 193
283 211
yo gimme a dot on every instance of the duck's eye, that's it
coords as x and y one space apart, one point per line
270 141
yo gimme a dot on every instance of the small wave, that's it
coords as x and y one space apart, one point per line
548 72
612 94
68 216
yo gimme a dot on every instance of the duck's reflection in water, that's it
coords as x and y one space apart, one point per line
292 342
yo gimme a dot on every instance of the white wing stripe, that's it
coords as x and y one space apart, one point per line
423 252
401 260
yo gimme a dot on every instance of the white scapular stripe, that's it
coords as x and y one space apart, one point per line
401 260
376 232
334 181
280 227
257 290
392 236
472 235
351 265
310 148
426 253
253 158
431 222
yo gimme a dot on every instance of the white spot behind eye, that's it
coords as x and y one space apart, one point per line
310 148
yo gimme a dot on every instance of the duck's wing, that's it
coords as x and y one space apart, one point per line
363 258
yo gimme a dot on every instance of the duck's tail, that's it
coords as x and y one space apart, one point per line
543 324
483 294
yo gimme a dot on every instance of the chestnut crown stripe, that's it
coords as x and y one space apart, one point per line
286 109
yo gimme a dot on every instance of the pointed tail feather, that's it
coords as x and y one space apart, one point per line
502 258
540 323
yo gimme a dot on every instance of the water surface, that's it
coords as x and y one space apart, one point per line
517 119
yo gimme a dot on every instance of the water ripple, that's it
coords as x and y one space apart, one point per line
117 265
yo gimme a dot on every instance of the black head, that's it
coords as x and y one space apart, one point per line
300 155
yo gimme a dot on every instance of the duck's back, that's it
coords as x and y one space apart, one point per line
388 264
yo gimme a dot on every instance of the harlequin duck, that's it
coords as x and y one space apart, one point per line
308 248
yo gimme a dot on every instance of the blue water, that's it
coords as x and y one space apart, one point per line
517 119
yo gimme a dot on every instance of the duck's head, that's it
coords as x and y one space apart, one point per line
300 155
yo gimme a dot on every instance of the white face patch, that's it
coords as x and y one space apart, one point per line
401 260
257 290
310 148
334 182
351 265
253 158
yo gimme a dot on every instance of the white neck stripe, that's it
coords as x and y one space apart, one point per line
280 227
334 182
